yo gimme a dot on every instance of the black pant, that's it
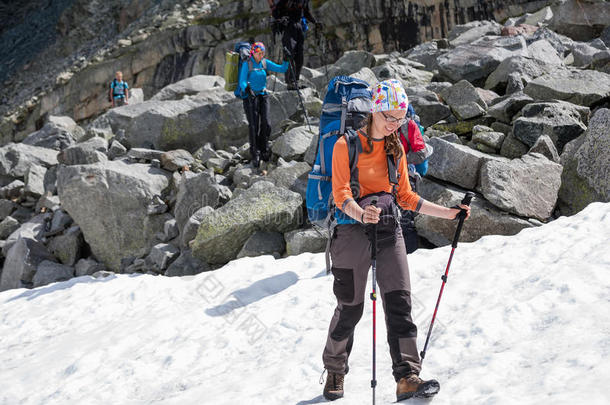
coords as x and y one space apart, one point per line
409 233
257 112
293 40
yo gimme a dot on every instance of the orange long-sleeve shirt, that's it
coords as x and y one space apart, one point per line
372 175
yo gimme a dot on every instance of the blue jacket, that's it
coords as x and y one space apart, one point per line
257 77
118 88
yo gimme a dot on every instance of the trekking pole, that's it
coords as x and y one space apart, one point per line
296 85
462 216
374 297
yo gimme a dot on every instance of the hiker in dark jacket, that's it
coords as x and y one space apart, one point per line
290 14
252 88
119 91
350 245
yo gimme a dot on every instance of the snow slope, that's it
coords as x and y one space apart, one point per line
524 320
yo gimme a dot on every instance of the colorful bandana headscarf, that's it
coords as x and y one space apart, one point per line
389 95
257 47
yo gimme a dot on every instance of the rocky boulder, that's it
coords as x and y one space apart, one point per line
561 121
176 159
485 219
464 100
186 265
580 20
427 105
21 262
188 87
527 186
470 32
91 151
58 133
294 143
586 166
263 243
196 190
51 272
545 146
115 221
583 87
506 108
263 207
305 240
525 67
16 158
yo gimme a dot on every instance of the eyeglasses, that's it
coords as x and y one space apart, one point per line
393 120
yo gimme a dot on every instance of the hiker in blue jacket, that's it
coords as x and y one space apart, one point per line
119 91
253 90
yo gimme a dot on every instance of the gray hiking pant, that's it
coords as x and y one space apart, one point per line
351 258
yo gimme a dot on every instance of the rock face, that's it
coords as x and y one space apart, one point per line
561 121
527 186
583 87
114 221
485 219
586 166
262 207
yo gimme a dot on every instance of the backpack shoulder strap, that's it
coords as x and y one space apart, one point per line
354 148
250 65
264 64
392 173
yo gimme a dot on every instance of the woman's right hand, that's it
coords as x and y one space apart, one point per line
371 215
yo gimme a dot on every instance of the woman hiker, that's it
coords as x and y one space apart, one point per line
252 88
350 246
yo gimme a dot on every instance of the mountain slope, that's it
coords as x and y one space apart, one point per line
524 319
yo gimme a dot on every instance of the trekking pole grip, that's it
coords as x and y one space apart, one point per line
462 216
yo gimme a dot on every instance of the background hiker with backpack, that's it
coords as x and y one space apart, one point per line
252 88
418 153
291 18
119 91
369 164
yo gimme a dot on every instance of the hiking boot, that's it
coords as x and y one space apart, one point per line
414 387
334 386
255 161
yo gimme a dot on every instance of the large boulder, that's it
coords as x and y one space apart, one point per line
91 151
584 53
526 67
475 61
470 32
426 54
189 230
512 147
21 262
67 247
427 105
545 146
561 121
294 143
583 87
263 243
578 19
456 163
188 87
51 272
192 122
485 219
507 107
16 158
58 133
305 240
353 61
261 207
196 190
542 50
186 265
408 75
292 176
464 100
176 159
527 186
586 166
115 220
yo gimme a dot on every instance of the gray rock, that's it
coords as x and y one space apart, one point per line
527 186
353 61
61 220
542 50
365 74
34 181
195 192
501 127
506 108
161 256
91 151
449 137
464 100
245 175
67 247
218 165
50 272
170 230
6 208
189 231
580 20
206 152
426 54
262 207
58 133
475 61
16 158
188 87
7 226
561 43
145 154
408 75
12 190
584 53
586 166
427 105
116 150
561 121
176 159
32 228
292 176
514 83
21 261
583 87
88 267
545 146
485 219
526 68
512 147
455 163
305 240
493 140
114 221
186 265
472 31
294 143
263 243
312 151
